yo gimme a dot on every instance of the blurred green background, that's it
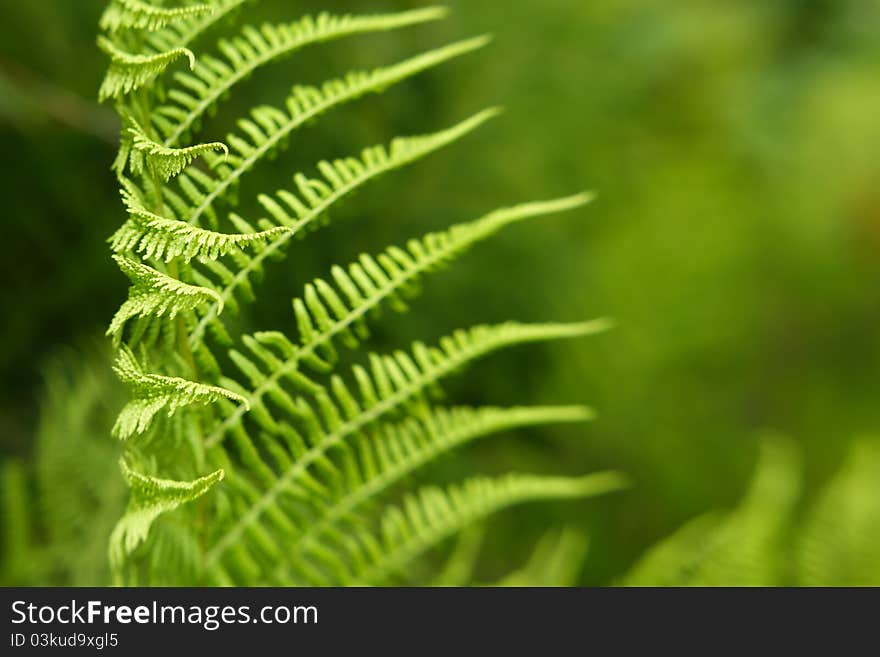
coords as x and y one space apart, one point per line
735 148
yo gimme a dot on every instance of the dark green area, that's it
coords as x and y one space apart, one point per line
735 148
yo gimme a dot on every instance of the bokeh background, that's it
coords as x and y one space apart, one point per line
735 148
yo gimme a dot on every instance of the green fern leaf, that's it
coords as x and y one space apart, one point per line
305 451
154 294
742 548
141 15
840 541
128 72
153 236
394 451
317 196
153 392
212 77
432 515
151 497
268 127
462 561
168 162
323 317
393 381
183 31
556 561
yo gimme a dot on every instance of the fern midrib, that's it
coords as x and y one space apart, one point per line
354 498
352 426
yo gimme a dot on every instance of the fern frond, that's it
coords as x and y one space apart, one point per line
303 451
329 313
158 237
268 127
141 15
432 515
155 294
182 32
152 393
151 497
742 548
394 451
393 381
556 561
165 161
840 541
462 560
326 312
340 178
212 77
128 72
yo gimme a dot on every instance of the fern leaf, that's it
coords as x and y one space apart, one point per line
556 561
128 72
268 127
840 541
742 548
462 561
154 236
165 161
155 294
393 382
141 15
212 77
183 31
151 497
432 515
395 451
317 196
327 313
152 393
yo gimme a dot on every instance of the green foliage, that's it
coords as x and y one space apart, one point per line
556 561
129 72
58 509
141 14
154 392
151 497
765 541
152 236
739 549
163 160
213 76
738 310
155 295
840 542
300 458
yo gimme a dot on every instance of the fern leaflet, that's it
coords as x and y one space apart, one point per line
139 14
